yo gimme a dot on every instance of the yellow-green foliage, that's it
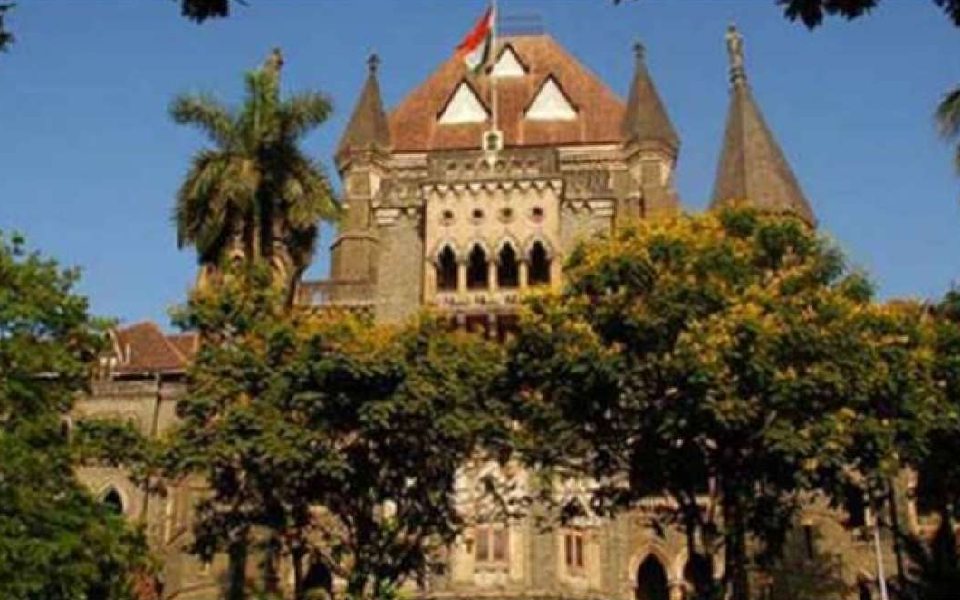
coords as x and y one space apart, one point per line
731 347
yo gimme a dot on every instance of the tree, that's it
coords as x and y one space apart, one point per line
201 10
6 38
56 541
255 194
728 361
812 12
326 440
948 120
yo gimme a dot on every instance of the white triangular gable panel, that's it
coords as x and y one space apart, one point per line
508 65
464 107
551 105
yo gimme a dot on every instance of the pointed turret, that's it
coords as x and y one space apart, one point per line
646 118
752 167
368 129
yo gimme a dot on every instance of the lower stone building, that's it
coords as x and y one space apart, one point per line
463 197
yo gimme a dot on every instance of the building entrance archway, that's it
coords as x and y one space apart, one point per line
652 583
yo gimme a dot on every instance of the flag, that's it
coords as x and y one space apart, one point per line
475 47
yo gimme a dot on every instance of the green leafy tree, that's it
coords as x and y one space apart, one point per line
255 194
327 440
728 361
56 541
933 568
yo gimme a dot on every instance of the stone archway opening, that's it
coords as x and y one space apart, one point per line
113 501
652 583
447 270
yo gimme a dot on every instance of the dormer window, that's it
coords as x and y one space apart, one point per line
463 107
508 64
551 104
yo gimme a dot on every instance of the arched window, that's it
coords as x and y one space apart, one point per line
698 574
652 580
113 501
539 265
447 270
508 272
477 270
863 590
318 578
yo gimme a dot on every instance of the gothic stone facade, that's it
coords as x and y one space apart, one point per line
435 219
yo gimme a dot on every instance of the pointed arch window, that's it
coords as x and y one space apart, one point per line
652 580
539 265
113 501
447 270
508 268
478 274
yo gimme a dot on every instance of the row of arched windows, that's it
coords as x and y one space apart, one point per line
507 272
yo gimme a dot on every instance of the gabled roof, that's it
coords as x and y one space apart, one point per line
752 168
646 118
368 128
414 126
143 348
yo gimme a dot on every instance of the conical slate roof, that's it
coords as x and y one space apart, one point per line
368 127
752 167
645 117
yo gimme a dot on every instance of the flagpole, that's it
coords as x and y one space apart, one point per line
493 80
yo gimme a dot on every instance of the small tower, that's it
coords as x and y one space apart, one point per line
651 146
361 161
752 168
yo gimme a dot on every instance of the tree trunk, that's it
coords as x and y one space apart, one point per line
895 526
271 557
735 548
296 559
237 569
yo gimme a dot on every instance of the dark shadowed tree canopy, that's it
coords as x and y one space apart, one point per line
812 12
201 10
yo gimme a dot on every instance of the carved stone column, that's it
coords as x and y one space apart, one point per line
492 276
523 272
677 590
462 277
429 281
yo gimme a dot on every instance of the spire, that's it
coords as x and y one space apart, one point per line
645 117
368 128
752 166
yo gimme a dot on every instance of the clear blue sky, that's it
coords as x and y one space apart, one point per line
89 161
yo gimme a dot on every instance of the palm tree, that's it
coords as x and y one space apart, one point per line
948 120
255 195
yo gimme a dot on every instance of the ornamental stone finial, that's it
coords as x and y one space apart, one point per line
373 62
274 61
639 50
735 52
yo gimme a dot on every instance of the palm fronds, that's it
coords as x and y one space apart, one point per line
255 186
948 120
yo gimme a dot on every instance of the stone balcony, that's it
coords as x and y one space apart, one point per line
347 294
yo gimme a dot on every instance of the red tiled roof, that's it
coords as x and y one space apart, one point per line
186 343
144 348
414 126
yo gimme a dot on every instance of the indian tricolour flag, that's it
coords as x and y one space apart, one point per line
475 47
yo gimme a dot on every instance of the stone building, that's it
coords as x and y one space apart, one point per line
436 217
